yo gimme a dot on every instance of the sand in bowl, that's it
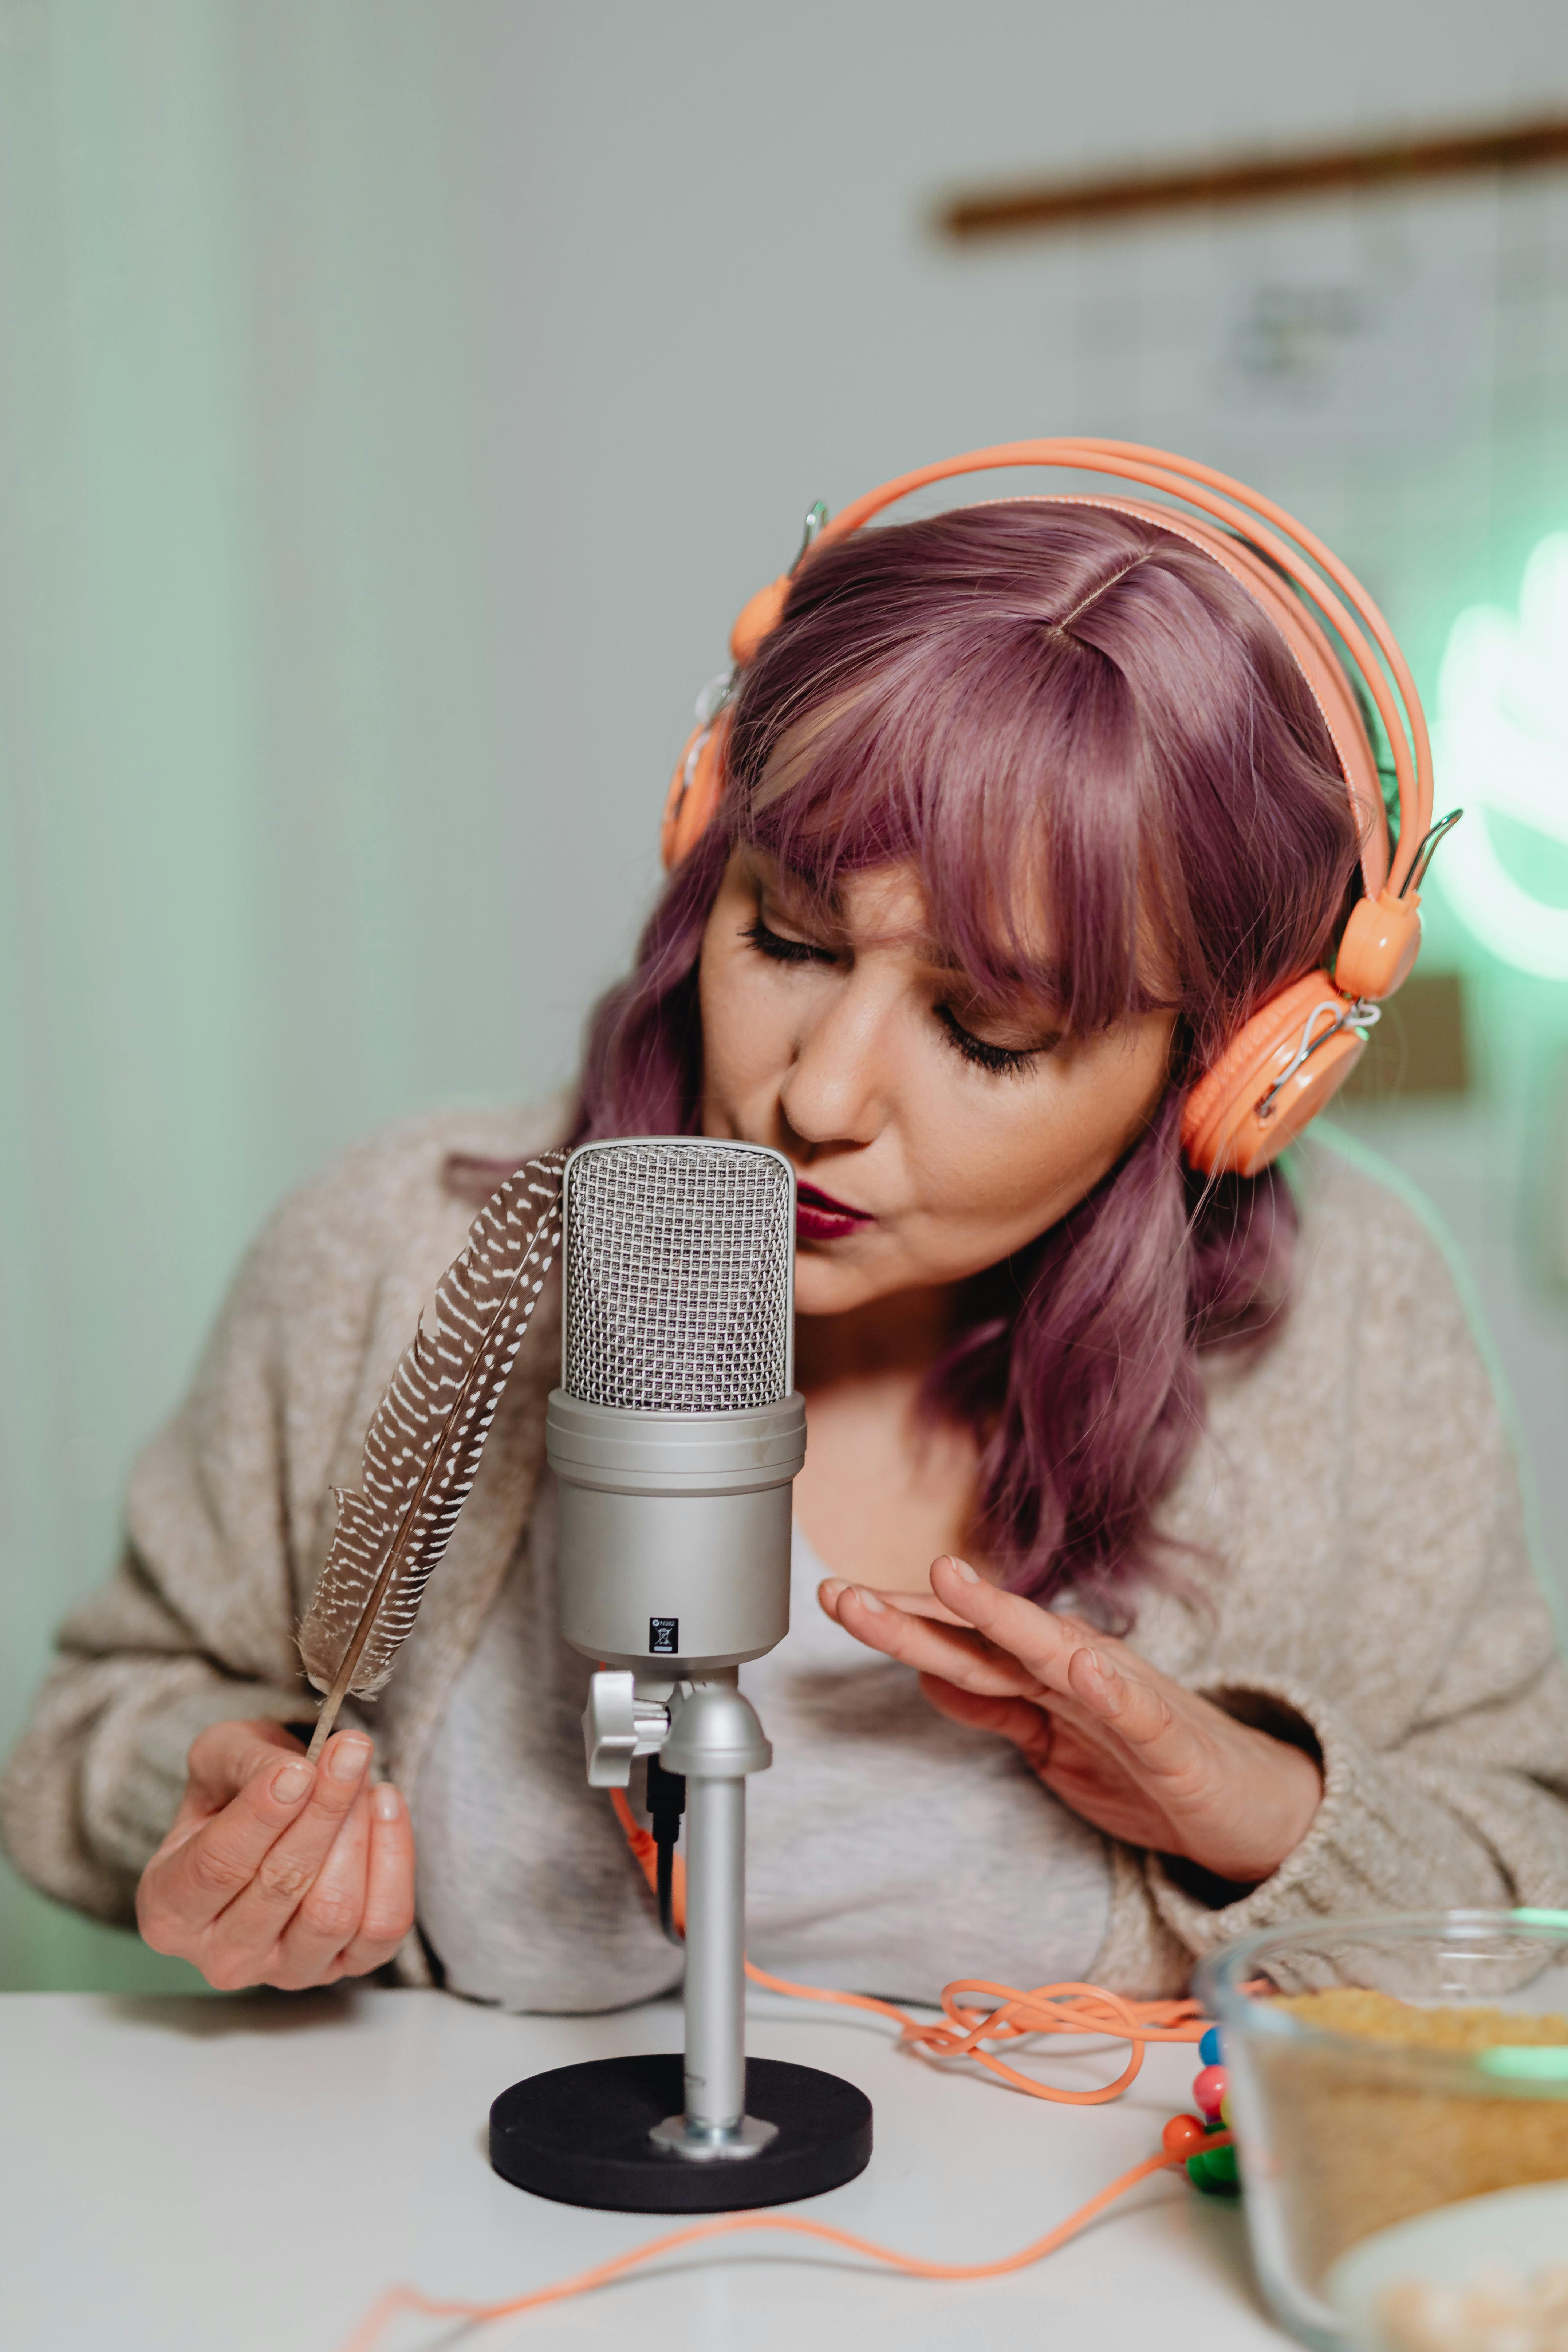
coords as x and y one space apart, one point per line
1367 2131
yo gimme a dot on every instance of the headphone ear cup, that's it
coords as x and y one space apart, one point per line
758 618
1222 1131
695 787
694 791
1381 941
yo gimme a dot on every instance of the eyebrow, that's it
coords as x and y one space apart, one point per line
1049 986
938 955
801 899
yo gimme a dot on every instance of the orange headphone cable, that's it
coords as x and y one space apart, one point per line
398 2300
1009 2014
1047 2009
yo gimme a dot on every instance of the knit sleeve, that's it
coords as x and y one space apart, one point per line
1425 1668
227 1518
1379 1606
1469 1806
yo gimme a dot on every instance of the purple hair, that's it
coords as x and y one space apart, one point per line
1049 706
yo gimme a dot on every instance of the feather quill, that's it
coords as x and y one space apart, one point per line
423 1446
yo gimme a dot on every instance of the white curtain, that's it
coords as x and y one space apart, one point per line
258 846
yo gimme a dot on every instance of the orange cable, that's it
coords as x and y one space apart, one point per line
407 2298
1076 2009
1046 2008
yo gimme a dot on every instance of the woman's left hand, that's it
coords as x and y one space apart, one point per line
1134 1753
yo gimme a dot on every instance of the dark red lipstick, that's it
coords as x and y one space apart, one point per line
818 1217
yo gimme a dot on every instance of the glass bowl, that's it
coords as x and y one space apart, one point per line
1347 2139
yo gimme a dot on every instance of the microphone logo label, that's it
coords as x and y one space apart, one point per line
664 1637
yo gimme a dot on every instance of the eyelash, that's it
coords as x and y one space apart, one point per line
1001 1061
781 950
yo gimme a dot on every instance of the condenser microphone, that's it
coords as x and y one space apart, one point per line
675 1437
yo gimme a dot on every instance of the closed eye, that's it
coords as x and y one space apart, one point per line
998 1059
779 950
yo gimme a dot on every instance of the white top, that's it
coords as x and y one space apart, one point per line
889 1851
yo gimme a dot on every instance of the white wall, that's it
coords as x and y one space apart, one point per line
707 298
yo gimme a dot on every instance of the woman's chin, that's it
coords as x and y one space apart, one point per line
825 1284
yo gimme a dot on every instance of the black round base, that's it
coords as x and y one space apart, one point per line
580 2135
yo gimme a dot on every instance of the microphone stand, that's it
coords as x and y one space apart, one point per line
747 2133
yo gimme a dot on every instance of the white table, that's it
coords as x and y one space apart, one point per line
245 2175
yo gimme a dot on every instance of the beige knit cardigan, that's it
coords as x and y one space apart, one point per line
1359 1577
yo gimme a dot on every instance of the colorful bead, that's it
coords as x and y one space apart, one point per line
1209 2087
1182 2135
1208 2048
1225 2114
1214 2171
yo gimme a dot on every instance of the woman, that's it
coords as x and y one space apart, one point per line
1025 811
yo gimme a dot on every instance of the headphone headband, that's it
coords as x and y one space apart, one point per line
1305 641
1261 528
1289 1057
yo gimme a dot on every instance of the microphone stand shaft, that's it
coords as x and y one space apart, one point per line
715 1954
714 1741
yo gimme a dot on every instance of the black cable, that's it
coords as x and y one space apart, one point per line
666 1803
668 1928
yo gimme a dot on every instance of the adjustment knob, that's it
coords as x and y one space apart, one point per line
618 1725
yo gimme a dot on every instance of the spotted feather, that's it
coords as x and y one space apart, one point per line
423 1446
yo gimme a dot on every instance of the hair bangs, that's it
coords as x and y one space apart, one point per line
984 764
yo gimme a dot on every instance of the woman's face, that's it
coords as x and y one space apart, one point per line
933 1132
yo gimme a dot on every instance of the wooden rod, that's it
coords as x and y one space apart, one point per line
1259 179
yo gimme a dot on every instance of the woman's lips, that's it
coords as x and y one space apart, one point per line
818 1217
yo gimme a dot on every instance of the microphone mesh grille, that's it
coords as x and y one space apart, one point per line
678 1264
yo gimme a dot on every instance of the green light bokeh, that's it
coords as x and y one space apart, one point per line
1500 744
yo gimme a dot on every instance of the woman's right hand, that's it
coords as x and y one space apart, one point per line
278 1872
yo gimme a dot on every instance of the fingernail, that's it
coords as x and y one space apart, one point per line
867 1599
349 1758
831 1586
970 1575
388 1803
291 1781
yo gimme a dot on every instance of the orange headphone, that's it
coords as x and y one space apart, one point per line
1284 1063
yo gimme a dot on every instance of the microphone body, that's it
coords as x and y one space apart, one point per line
675 1532
675 1435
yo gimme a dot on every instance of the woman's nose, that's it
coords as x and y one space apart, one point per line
836 1087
